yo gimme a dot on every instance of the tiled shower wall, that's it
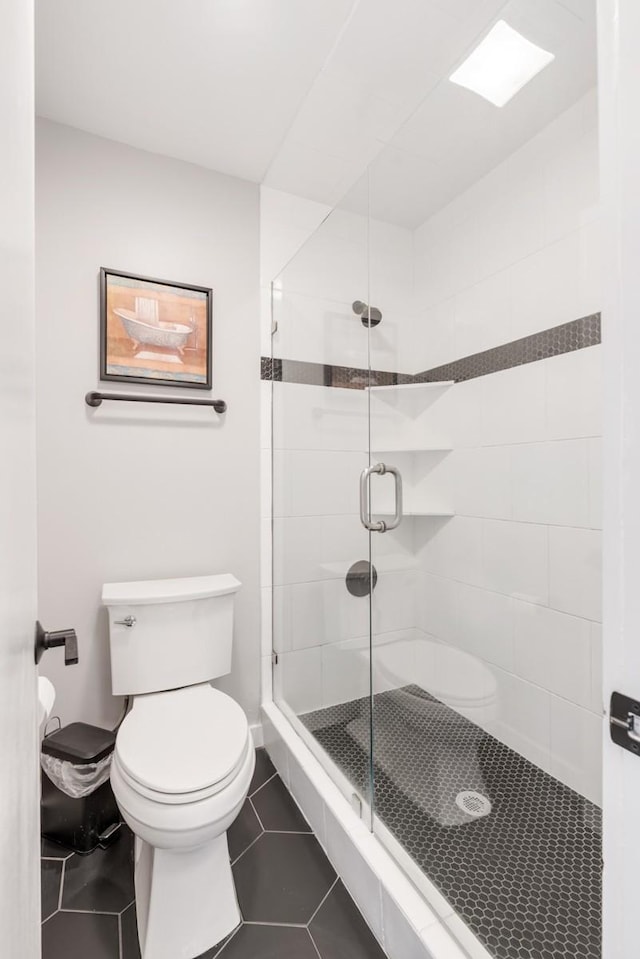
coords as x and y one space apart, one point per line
513 578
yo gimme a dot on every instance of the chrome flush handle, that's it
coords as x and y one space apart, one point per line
127 621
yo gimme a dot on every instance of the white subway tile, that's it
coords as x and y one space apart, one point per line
265 414
394 600
575 571
401 939
317 482
576 748
315 613
276 747
266 603
453 548
592 259
266 679
463 406
434 336
484 625
597 691
437 601
308 798
544 287
354 871
596 495
513 405
553 650
514 559
309 548
481 481
550 483
266 563
265 484
314 417
318 331
482 315
394 659
300 675
345 671
525 718
572 183
574 393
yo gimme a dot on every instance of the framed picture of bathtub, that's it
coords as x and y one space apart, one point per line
155 331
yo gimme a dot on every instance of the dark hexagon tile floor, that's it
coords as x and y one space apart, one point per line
526 877
292 903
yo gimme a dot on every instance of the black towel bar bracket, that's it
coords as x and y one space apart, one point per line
95 399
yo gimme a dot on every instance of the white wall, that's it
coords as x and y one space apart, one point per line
515 577
134 492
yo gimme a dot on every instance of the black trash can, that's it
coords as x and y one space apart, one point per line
86 821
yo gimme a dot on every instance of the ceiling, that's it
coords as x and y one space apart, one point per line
214 82
304 95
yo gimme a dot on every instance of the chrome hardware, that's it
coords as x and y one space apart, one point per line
361 578
624 721
127 621
379 526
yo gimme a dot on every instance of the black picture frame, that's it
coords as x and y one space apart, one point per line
169 339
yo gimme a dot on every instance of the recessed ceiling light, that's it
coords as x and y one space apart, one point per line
501 64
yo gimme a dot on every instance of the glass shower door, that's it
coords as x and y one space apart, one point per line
319 374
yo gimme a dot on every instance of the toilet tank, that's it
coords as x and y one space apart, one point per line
169 633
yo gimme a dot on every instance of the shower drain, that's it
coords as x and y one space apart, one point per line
473 803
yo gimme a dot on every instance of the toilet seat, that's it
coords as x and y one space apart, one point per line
182 746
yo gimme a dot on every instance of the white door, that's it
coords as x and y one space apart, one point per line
19 803
619 68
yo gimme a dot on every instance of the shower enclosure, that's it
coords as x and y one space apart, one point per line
436 519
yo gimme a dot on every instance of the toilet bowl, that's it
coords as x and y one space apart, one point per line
183 757
181 770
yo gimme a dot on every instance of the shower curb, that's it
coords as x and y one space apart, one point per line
397 914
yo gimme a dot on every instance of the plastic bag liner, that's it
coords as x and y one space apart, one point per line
76 781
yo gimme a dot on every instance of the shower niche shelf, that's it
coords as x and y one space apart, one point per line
411 389
419 514
392 450
407 399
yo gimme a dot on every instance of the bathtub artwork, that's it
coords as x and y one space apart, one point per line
154 331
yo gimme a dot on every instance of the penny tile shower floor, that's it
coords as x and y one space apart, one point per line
516 853
292 903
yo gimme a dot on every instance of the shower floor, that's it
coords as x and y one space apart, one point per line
526 876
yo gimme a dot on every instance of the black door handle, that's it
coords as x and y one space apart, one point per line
60 637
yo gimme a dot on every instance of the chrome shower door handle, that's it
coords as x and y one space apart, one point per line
379 526
397 479
365 507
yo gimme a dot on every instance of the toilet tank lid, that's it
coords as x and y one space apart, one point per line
152 591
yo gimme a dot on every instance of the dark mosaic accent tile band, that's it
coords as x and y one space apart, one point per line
325 374
565 338
526 875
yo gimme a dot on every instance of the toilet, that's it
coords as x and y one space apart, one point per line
183 758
